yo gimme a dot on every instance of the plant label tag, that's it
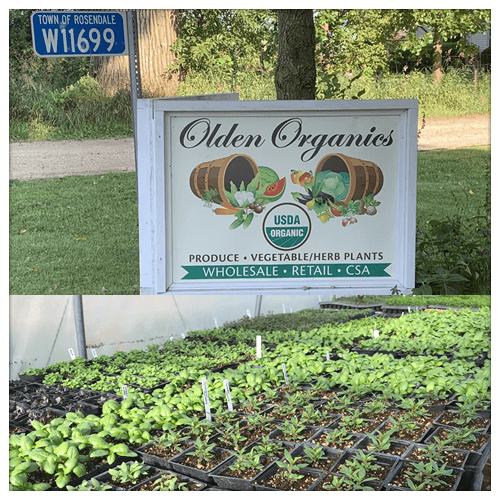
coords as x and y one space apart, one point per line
328 355
171 339
259 346
248 314
71 353
284 309
183 335
205 398
228 395
375 334
94 353
125 391
216 324
284 372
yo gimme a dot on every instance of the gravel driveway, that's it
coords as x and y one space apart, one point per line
39 160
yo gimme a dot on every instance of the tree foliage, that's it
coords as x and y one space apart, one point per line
446 25
225 41
442 25
355 40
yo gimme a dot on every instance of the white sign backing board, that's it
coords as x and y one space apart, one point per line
277 197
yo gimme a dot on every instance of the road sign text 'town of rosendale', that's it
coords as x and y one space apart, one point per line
79 33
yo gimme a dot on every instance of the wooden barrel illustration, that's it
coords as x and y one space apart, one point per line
218 174
365 177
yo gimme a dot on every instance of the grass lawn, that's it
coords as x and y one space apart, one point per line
451 182
79 235
75 235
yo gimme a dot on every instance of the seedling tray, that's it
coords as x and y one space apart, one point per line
201 474
317 475
221 479
155 460
474 456
400 445
333 455
395 472
185 479
106 477
387 461
414 446
326 478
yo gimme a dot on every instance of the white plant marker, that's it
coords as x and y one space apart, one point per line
248 314
284 373
328 355
94 353
171 339
183 335
125 391
71 353
259 346
216 324
205 398
284 309
228 395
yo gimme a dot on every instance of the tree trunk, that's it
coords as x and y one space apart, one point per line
295 73
437 63
157 30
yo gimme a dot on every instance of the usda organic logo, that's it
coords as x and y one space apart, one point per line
286 226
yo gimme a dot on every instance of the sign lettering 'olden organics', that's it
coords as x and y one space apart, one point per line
293 196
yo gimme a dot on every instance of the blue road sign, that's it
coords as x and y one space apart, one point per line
78 33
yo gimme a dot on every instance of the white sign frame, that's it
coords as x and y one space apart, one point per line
155 194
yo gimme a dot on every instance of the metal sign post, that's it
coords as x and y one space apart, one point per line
135 78
92 33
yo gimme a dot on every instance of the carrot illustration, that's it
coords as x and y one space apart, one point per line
227 205
226 211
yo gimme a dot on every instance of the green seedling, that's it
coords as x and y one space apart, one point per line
169 482
292 429
247 461
269 448
203 451
231 436
289 466
92 485
338 436
380 442
129 473
356 477
314 454
427 475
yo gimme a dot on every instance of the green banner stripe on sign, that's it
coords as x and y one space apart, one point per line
293 271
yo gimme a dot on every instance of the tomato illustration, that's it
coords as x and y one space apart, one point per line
336 209
305 177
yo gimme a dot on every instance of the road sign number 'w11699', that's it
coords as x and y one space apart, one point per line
77 33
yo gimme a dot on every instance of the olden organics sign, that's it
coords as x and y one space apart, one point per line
300 198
